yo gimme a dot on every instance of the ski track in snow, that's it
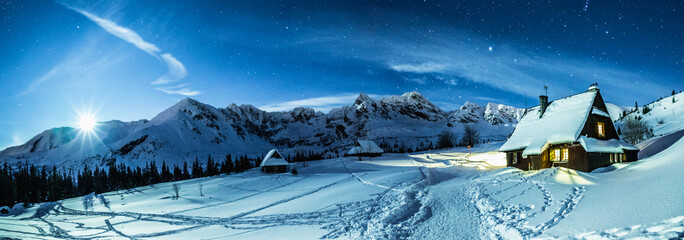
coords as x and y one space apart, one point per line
503 220
505 207
337 219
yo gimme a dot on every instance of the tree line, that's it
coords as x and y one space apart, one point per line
33 184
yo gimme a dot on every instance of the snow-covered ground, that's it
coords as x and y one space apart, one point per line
446 194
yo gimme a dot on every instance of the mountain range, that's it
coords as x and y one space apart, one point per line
191 129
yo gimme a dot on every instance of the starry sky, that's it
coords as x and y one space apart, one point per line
130 60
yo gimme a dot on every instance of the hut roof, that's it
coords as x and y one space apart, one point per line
562 122
273 158
365 147
605 146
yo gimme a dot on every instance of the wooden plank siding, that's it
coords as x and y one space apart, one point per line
590 126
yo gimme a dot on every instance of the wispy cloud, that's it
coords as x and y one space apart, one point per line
176 69
126 34
78 63
417 80
419 68
512 69
323 104
181 89
464 58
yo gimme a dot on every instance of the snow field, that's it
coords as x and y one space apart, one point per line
446 194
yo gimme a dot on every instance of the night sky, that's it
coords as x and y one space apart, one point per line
130 60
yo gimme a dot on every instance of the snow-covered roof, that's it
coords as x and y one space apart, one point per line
605 146
599 112
562 122
365 146
273 158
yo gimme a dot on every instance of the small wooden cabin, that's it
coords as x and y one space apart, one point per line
574 132
365 148
274 162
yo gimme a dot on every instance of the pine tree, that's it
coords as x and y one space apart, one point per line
228 166
636 106
186 173
177 173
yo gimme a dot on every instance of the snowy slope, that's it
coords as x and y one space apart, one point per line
641 200
446 194
616 111
191 129
665 116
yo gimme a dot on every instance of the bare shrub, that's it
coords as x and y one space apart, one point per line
176 190
636 130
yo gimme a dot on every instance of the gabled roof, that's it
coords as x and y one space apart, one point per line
365 146
562 122
273 158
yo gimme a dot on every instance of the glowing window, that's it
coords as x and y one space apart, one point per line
565 154
601 129
556 155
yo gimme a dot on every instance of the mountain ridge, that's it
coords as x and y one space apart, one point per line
191 129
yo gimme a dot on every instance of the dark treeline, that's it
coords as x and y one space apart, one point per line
31 184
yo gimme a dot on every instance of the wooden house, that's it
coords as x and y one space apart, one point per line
274 162
365 148
574 132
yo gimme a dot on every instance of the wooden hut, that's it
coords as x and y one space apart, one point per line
575 132
274 162
365 148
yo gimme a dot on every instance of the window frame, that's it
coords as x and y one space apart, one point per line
514 158
555 155
565 154
601 129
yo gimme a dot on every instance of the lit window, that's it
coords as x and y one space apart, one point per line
556 155
601 129
565 154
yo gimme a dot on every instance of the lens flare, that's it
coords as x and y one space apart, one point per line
86 123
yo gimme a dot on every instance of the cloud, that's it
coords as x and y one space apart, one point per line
181 89
419 68
126 34
463 58
323 104
52 73
176 70
78 64
417 80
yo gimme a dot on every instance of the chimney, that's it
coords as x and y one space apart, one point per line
543 103
593 88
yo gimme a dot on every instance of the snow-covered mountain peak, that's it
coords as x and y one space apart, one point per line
469 105
502 114
414 95
364 103
414 105
189 129
363 97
